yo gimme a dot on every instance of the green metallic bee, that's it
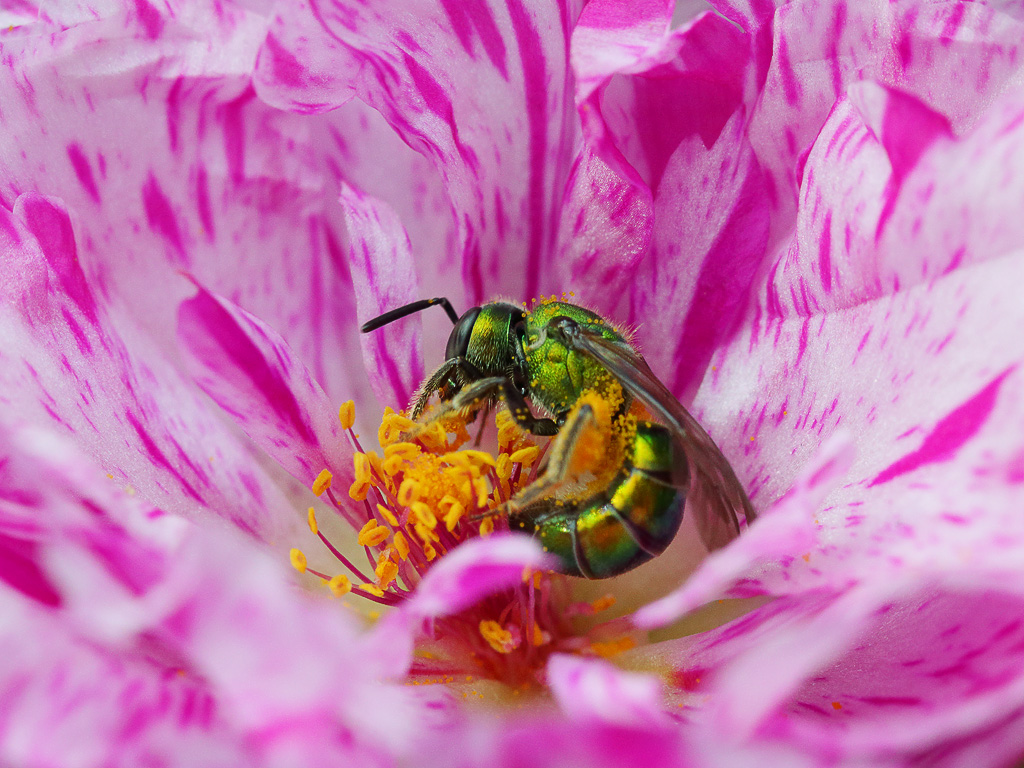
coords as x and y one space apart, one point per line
554 356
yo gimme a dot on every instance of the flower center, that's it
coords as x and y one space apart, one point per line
424 495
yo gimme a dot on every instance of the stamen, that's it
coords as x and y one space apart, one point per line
311 519
298 560
322 482
347 414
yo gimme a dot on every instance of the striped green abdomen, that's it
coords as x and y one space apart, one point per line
631 521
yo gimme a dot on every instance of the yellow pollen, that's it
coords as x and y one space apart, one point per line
613 647
836 705
358 491
401 545
454 512
497 637
603 603
371 534
406 450
386 571
504 467
372 589
298 560
429 551
487 526
361 465
340 585
480 486
311 519
540 637
347 414
526 456
425 533
392 426
423 514
387 514
322 482
408 491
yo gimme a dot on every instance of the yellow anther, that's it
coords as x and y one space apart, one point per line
361 464
454 512
499 638
340 585
540 637
487 526
311 519
322 482
408 491
392 465
372 589
406 450
613 647
425 533
347 414
525 456
371 534
386 573
298 560
387 514
603 603
504 467
482 492
358 490
422 513
392 426
429 551
401 545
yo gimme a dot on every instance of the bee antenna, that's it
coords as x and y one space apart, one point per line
408 309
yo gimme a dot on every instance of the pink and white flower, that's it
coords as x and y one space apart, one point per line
810 211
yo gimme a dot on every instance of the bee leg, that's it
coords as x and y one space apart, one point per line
556 474
516 402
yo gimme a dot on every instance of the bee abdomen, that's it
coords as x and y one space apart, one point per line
632 521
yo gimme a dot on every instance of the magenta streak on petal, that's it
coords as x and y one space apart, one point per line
824 263
52 229
80 164
158 456
284 66
949 434
174 113
161 217
234 134
203 203
790 85
462 14
203 316
19 569
149 17
535 85
76 330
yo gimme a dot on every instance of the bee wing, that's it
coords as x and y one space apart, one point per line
716 492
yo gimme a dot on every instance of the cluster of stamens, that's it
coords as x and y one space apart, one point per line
420 498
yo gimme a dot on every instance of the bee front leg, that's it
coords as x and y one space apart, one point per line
558 472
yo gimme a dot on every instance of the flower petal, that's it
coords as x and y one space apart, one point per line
593 689
475 569
71 365
383 279
500 67
249 370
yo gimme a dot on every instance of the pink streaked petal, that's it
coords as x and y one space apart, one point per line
930 390
612 35
640 103
864 230
606 231
955 56
786 528
475 569
594 689
68 366
249 370
692 290
500 67
210 172
383 278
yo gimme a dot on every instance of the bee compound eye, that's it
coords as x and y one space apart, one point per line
458 341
